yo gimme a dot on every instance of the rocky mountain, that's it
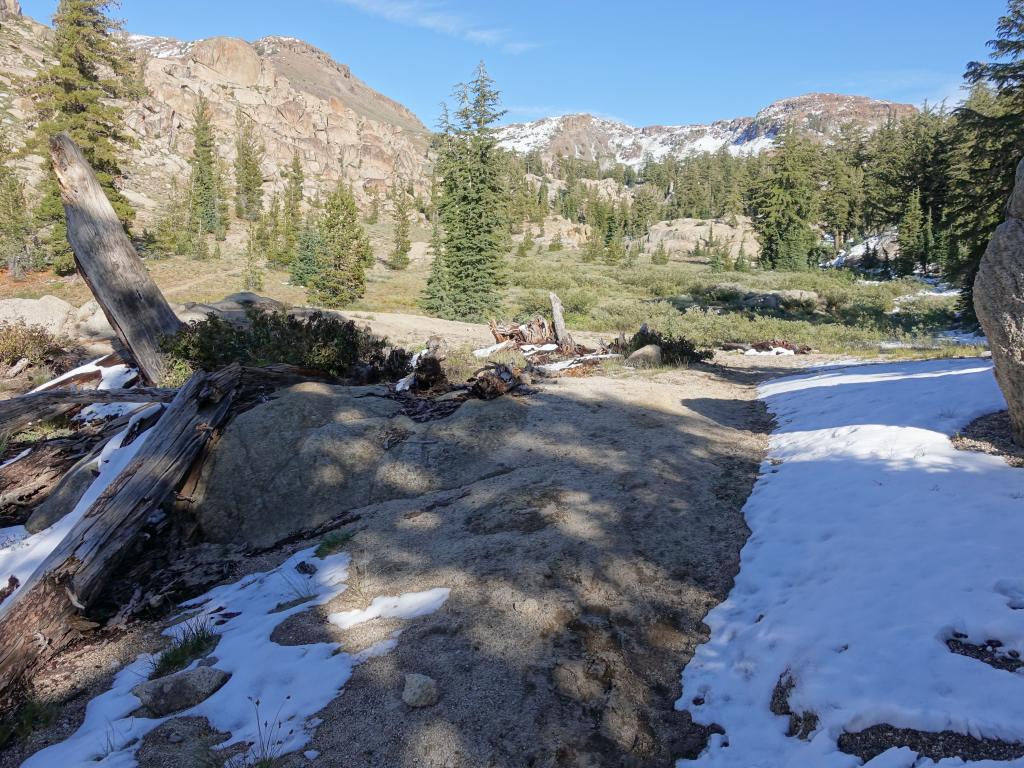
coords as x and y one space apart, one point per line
300 99
819 115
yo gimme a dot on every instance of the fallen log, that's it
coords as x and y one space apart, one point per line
562 337
137 311
19 412
50 610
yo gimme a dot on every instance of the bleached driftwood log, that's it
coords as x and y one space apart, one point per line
137 311
50 610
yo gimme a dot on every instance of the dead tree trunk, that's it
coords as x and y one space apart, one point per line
565 342
137 311
49 612
19 412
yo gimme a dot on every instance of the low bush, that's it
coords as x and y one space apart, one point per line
675 349
18 340
324 342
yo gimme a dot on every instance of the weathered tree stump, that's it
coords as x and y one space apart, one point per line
137 311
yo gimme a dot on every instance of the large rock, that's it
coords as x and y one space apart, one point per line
49 312
9 8
231 58
89 322
645 357
320 451
179 691
232 308
999 304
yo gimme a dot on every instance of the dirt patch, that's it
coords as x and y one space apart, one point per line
991 434
801 724
990 653
871 742
579 582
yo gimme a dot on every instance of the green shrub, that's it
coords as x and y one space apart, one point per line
18 340
64 264
324 342
333 543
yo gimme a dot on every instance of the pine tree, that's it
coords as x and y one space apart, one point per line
341 278
80 94
252 274
911 236
273 237
310 253
526 244
207 199
171 234
593 249
291 223
399 256
988 136
249 153
660 254
373 213
468 273
17 246
555 244
785 205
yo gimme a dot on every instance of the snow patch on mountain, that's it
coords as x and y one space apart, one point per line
819 115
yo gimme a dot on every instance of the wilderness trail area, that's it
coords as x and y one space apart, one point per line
552 587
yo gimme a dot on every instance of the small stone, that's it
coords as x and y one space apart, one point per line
179 691
420 691
306 568
175 738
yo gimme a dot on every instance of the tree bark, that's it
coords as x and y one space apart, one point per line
49 611
565 341
137 311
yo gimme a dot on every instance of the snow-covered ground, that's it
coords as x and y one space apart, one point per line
872 542
291 683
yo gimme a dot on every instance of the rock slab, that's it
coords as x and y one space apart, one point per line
999 304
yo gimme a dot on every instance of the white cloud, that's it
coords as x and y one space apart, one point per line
434 16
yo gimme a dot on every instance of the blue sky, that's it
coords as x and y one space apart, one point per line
644 62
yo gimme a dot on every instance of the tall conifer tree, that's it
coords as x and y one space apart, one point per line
78 95
468 273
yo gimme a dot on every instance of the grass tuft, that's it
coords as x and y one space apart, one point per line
195 640
333 543
32 716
